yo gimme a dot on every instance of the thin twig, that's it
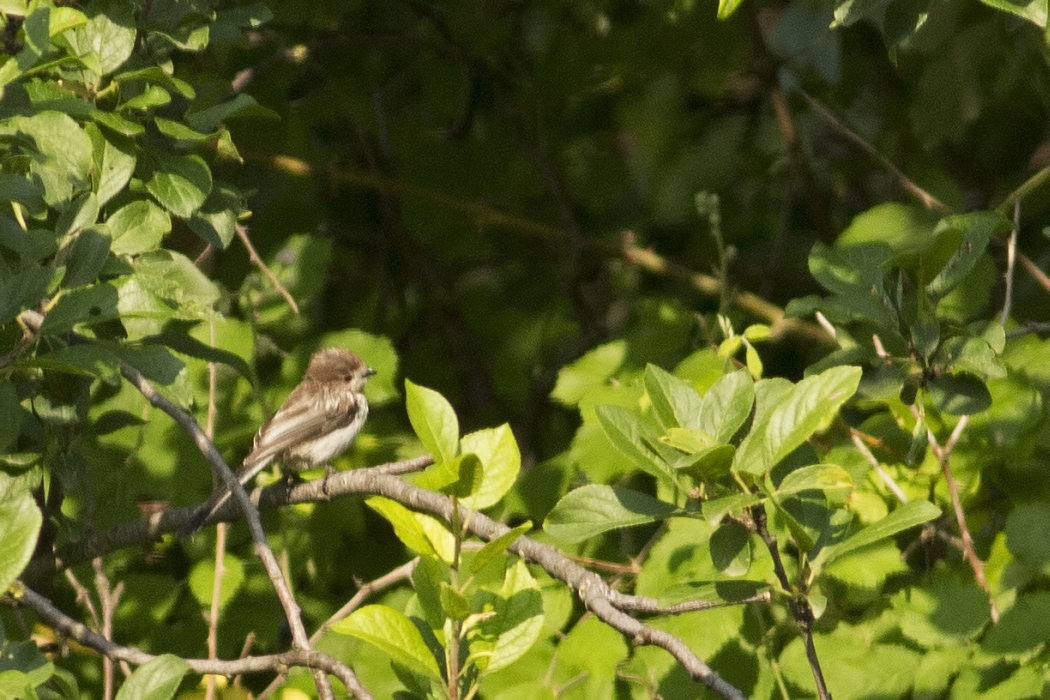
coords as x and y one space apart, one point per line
797 603
242 233
108 597
1029 186
943 455
1032 269
189 424
484 215
590 588
886 478
1011 258
270 663
220 531
927 199
1030 327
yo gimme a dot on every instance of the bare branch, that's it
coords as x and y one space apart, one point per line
1011 258
271 663
886 478
242 233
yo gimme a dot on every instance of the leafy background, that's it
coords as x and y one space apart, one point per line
533 207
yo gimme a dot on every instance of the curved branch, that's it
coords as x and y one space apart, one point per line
274 663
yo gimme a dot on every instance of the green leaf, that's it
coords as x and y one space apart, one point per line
188 345
820 477
15 188
210 118
81 212
109 36
854 275
458 476
202 580
1035 11
1022 628
394 635
62 156
93 360
715 509
35 32
501 462
117 123
137 227
180 183
216 221
629 436
10 415
22 290
977 229
726 406
731 549
505 637
158 679
88 254
959 394
589 371
155 74
809 406
593 509
406 526
88 305
908 515
726 8
709 464
674 401
114 161
20 522
495 547
152 96
433 421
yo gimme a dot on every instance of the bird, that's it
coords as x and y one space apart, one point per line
316 423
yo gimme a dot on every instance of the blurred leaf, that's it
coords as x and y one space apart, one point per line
591 370
188 345
202 580
1023 627
590 510
20 522
137 227
977 229
821 477
86 258
959 394
1035 11
378 353
433 420
394 634
10 415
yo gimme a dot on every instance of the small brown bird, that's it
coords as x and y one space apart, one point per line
316 423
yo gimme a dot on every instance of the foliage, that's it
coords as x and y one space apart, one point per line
558 215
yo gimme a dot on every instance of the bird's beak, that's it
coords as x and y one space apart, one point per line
369 371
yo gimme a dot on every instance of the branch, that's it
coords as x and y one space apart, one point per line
927 199
273 663
242 233
609 605
188 423
943 455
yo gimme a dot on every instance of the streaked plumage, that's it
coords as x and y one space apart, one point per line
315 424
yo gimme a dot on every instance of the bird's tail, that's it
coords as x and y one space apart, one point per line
218 498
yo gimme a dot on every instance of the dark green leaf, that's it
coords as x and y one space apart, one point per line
959 394
87 305
1022 628
215 222
731 549
10 415
22 290
20 521
188 345
137 227
86 258
977 229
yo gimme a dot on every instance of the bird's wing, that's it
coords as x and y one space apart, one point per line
298 421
